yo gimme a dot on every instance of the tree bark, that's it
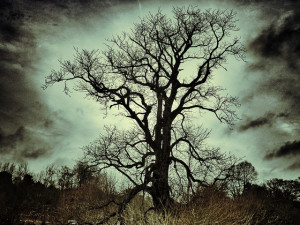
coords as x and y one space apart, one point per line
160 190
160 186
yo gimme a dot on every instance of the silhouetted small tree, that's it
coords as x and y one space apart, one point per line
284 189
83 173
8 167
240 175
48 177
142 73
66 177
22 170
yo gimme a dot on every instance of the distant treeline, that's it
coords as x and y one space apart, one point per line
57 195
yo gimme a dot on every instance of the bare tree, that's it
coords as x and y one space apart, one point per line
240 175
65 178
83 173
48 177
144 74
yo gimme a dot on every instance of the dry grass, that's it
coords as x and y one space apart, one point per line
207 207
211 209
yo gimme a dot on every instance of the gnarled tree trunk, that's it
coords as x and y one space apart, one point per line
160 190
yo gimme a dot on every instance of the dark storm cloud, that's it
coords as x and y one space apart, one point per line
277 49
274 68
16 56
288 149
23 115
20 104
22 144
280 41
294 166
268 119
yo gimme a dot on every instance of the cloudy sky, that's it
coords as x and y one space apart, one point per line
46 126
